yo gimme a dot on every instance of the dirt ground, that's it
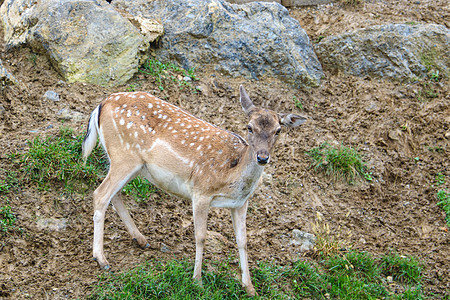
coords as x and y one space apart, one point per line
404 141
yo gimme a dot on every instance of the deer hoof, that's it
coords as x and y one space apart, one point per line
142 244
251 291
104 266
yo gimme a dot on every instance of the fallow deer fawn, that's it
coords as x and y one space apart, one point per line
184 156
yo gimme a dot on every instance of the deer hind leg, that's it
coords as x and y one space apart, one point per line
129 223
238 216
200 213
115 180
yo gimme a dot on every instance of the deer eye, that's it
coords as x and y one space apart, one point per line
249 128
278 131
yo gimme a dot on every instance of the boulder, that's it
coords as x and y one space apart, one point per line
86 41
396 51
252 40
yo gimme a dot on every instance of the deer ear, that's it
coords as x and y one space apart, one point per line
246 103
291 120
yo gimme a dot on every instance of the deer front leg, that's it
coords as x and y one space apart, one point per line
238 216
200 213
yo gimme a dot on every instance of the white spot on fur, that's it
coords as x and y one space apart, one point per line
117 98
150 105
135 134
129 113
122 122
143 128
129 125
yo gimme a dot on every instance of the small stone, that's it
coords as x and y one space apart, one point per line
165 248
52 224
51 95
70 115
305 240
389 279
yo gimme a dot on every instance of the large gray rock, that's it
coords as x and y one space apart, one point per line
396 51
86 41
253 40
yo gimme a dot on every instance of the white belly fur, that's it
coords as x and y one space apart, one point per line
167 181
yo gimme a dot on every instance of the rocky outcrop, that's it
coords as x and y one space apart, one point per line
396 51
86 40
251 40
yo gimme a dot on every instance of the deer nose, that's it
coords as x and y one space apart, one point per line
262 157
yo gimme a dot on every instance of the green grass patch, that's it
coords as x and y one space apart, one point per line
168 74
404 269
351 275
444 203
339 162
7 219
56 162
297 103
139 189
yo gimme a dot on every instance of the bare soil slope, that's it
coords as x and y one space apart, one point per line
404 141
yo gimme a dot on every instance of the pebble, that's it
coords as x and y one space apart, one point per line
51 95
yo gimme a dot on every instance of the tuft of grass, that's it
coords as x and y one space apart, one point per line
328 244
168 73
298 103
339 162
444 203
440 179
353 275
56 160
139 189
404 269
7 219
